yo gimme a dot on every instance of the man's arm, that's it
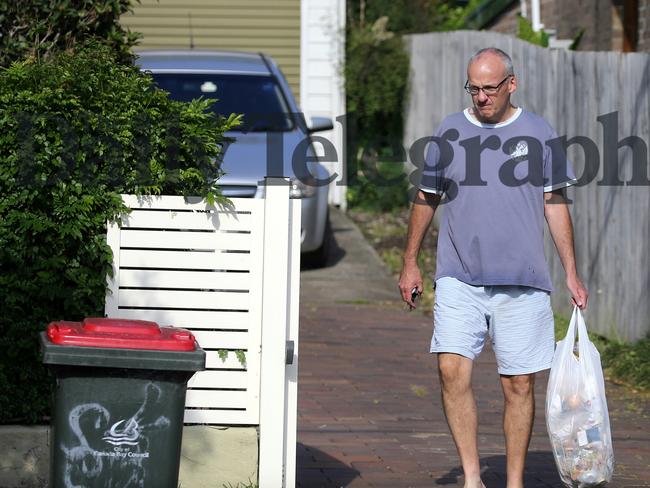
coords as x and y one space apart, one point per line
422 213
558 218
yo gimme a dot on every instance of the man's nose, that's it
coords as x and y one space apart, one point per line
482 97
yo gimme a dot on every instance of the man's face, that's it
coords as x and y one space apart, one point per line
488 71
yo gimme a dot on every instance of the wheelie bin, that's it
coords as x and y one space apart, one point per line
119 400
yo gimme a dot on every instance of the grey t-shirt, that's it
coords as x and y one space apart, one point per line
493 177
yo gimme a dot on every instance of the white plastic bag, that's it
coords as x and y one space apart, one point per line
576 411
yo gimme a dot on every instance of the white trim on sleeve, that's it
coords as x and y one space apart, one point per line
431 190
560 185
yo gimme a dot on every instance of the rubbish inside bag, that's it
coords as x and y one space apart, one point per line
576 427
576 411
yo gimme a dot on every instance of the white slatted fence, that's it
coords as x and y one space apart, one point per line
231 276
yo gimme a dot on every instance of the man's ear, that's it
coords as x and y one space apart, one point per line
512 84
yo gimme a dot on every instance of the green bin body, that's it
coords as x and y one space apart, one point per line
118 404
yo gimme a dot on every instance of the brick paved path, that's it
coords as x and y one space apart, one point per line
369 406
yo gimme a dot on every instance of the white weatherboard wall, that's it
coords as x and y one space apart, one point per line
322 93
272 27
231 276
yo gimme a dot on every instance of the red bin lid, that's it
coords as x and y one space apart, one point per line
120 334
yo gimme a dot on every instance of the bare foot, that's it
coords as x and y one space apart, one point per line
472 485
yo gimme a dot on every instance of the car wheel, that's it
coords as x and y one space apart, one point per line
318 258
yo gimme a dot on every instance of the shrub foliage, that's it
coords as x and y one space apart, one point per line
376 86
38 28
76 130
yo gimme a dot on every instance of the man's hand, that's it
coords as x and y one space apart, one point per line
422 212
579 293
410 278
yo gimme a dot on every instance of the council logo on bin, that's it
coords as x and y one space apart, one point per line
127 435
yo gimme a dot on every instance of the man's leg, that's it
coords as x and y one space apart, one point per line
518 415
460 409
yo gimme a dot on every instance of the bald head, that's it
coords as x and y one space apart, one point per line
493 54
491 82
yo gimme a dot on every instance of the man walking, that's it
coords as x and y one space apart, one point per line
499 178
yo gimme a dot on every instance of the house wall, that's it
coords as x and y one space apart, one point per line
322 83
567 18
602 21
507 21
548 13
245 25
594 16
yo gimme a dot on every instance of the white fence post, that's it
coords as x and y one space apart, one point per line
291 401
275 311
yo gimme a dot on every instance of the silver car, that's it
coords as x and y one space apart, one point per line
274 139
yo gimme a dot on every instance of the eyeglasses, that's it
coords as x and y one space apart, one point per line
488 90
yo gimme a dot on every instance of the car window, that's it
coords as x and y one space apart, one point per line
258 97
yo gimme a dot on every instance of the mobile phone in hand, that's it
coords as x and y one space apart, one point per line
415 293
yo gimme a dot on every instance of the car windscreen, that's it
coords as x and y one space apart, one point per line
257 97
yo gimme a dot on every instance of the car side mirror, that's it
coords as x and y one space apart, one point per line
319 124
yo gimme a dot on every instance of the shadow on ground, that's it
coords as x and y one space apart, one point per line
316 469
336 253
540 472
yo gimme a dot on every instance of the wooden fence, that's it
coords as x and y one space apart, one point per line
571 90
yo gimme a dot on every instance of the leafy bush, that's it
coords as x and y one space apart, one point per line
376 78
376 73
76 130
527 33
37 28
380 186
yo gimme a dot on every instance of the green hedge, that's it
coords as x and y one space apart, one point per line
76 130
39 28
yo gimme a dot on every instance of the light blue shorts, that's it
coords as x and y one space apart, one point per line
517 319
